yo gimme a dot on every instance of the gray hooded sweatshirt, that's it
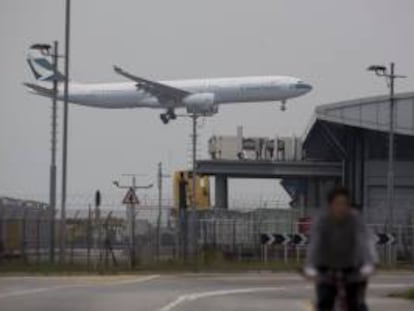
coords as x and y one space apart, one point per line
340 243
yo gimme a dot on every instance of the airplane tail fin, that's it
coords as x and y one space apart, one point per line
42 69
39 90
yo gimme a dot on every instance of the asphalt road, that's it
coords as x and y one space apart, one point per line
182 292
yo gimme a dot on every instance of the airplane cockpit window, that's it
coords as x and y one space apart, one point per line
302 85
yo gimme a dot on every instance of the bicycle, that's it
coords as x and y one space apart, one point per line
335 282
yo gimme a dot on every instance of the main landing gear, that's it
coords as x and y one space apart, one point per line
169 115
283 105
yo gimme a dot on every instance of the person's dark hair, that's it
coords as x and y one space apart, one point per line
336 192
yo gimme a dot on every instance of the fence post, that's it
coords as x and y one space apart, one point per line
97 236
23 233
89 233
107 243
234 236
411 235
265 253
38 220
2 237
72 242
285 253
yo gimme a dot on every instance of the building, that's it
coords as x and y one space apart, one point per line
23 226
355 132
345 142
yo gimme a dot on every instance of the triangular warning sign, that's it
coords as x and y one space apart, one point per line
130 197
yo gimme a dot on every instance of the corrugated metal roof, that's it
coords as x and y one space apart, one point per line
371 113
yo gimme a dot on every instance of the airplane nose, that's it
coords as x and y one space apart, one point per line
305 87
309 87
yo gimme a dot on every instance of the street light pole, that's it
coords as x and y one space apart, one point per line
62 235
52 190
391 154
44 49
193 228
390 77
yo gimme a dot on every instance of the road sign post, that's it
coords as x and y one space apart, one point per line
131 200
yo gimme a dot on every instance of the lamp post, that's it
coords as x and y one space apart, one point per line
62 227
390 76
194 115
193 222
45 50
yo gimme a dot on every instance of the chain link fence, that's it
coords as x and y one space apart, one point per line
103 237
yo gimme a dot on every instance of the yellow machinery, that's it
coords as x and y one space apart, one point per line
202 189
12 236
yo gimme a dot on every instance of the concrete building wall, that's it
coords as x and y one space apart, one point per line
376 192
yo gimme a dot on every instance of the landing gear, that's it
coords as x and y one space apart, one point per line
283 106
169 115
164 118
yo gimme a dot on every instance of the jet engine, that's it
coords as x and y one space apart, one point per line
201 103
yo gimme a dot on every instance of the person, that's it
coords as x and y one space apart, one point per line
340 242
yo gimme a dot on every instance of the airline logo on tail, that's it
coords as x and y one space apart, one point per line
42 69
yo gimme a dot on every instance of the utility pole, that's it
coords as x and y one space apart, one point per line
62 235
52 190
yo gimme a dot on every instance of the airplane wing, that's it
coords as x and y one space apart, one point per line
163 92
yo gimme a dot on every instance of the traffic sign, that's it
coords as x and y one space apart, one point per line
284 239
385 239
130 197
299 239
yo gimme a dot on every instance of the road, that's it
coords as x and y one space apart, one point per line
182 292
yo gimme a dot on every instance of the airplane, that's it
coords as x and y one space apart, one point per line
197 96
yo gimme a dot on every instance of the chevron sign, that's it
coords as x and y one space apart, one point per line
283 239
385 239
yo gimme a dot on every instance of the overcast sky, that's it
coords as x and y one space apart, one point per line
328 43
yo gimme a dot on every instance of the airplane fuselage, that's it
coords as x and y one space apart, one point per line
226 90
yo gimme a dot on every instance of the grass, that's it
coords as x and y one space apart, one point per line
207 262
407 294
165 266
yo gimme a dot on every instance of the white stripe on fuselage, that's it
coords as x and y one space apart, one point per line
226 90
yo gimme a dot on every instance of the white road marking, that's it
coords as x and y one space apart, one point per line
306 305
396 285
199 295
51 288
34 291
133 281
194 296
